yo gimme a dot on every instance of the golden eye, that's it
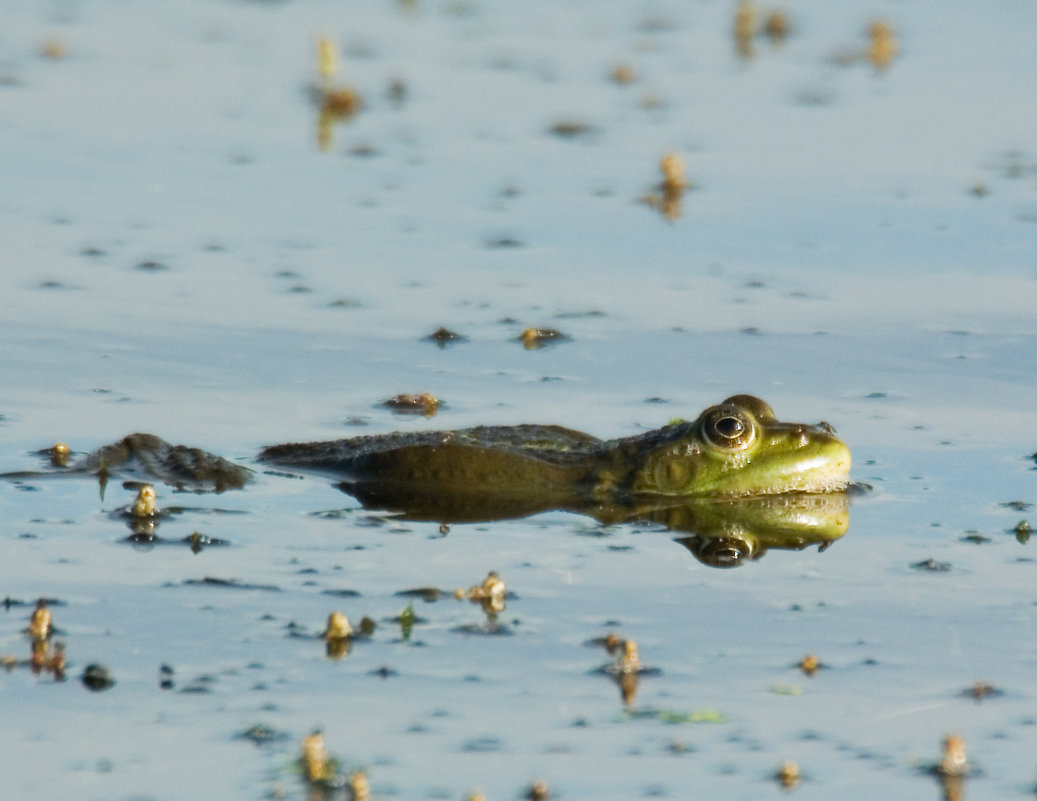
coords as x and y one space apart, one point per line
729 428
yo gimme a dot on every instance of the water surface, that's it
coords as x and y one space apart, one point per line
181 257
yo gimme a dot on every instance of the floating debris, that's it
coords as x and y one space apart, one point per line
788 775
981 690
667 198
623 74
338 635
539 791
233 584
536 338
426 404
97 677
53 49
810 664
627 670
674 716
59 454
338 627
745 28
151 266
261 734
427 594
345 303
932 566
146 503
42 659
1022 531
611 642
406 619
570 129
444 336
318 767
629 661
881 50
56 663
490 594
40 622
672 167
144 536
39 656
954 762
327 58
198 541
359 787
882 44
341 593
776 26
336 102
338 105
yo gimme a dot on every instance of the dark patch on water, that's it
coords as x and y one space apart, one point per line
264 735
932 566
444 337
151 266
97 678
233 584
503 243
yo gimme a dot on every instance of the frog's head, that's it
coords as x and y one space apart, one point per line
738 448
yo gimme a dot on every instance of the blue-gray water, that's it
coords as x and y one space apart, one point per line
858 247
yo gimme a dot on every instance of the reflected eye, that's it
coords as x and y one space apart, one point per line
728 428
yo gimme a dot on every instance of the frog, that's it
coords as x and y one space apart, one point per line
735 449
734 482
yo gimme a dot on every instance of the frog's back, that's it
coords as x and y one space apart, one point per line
496 458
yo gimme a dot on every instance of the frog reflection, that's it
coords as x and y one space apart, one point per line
718 532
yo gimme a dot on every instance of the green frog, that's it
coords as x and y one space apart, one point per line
736 481
736 449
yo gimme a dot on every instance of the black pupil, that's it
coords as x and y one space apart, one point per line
729 427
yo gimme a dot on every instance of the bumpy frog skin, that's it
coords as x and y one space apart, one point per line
734 449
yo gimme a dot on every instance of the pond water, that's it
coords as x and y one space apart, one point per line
191 249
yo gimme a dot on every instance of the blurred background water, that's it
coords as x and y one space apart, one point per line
192 249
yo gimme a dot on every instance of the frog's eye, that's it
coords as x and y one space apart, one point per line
728 428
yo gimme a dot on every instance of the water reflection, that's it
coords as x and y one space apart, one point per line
719 533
